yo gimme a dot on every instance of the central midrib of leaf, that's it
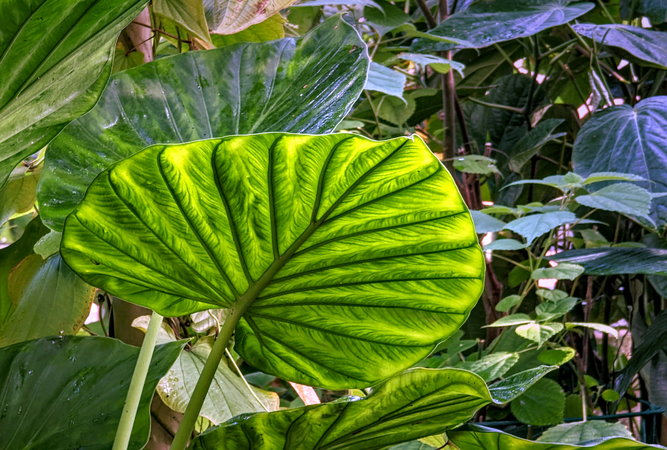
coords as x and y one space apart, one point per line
256 287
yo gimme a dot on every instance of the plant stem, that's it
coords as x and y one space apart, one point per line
205 379
133 398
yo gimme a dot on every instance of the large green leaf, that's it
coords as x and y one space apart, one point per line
416 403
55 58
47 299
488 22
68 392
483 438
351 258
582 432
643 44
631 140
304 85
617 260
229 395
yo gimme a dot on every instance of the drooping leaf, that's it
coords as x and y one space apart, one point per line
627 139
232 16
616 260
563 271
485 223
47 299
307 86
228 394
624 198
68 392
594 326
56 59
512 319
275 224
385 80
416 403
647 45
535 225
475 437
584 432
542 404
271 29
489 22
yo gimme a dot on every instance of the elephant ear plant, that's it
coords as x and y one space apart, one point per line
342 260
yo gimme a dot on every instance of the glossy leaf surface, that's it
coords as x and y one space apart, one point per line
617 260
647 45
351 258
482 438
416 403
631 140
68 392
55 60
307 86
489 22
46 298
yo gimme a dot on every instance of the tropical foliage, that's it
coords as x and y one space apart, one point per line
341 224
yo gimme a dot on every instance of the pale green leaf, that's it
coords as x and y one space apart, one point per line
563 271
535 225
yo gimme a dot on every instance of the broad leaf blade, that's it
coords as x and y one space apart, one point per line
643 44
413 404
347 278
232 16
79 404
627 139
48 82
617 260
490 22
307 86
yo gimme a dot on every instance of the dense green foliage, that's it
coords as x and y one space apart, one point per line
320 193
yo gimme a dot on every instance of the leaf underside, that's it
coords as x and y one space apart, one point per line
351 258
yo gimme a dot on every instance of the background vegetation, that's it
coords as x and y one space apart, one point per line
551 117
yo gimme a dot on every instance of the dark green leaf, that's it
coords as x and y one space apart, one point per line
307 86
647 45
68 392
345 278
624 198
557 356
656 10
617 260
542 404
489 22
56 59
627 139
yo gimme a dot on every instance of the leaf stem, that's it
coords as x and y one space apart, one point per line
205 379
124 431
